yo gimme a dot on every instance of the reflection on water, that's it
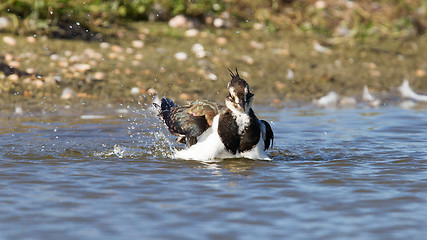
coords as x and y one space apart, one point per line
335 174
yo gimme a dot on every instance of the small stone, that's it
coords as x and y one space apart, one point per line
130 50
135 91
90 53
112 56
212 77
27 80
31 39
256 45
181 56
19 110
68 94
258 26
280 85
9 40
290 75
54 57
138 56
117 49
14 64
81 67
248 59
8 57
51 79
191 32
137 44
13 78
104 45
420 73
99 76
135 63
185 96
74 59
199 50
219 22
281 51
221 41
67 53
31 70
38 83
151 91
320 5
180 21
4 23
63 63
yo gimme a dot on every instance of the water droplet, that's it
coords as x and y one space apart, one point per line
51 12
237 31
77 23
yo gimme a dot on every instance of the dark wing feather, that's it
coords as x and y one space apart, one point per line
269 135
190 120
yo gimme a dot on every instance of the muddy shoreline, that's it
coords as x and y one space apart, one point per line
153 58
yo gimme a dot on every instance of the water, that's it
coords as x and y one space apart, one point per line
336 174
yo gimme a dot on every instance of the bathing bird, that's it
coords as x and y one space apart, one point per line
211 130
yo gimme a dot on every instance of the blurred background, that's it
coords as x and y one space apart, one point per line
286 49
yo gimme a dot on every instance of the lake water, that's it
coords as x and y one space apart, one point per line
106 173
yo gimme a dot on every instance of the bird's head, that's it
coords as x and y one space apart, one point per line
239 96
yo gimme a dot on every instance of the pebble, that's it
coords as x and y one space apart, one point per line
191 32
221 41
31 70
99 76
290 75
138 56
135 91
19 110
320 48
420 73
38 83
90 53
281 51
199 50
4 23
181 56
258 26
219 23
68 94
181 21
117 49
31 39
248 59
13 78
80 67
256 45
137 44
54 57
185 96
14 64
212 76
151 91
104 45
50 80
320 5
74 59
130 50
9 40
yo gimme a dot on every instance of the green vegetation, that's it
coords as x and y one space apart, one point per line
356 19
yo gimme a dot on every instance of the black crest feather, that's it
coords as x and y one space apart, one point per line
234 75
